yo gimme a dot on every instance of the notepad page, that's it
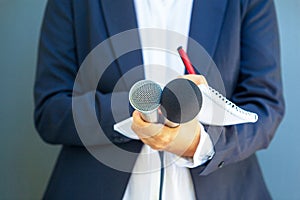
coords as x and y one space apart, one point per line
219 111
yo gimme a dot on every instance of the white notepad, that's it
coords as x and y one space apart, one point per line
219 111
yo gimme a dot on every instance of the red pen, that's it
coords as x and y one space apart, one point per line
186 61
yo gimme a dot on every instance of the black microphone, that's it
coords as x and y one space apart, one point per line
181 101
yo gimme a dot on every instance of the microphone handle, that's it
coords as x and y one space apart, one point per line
155 117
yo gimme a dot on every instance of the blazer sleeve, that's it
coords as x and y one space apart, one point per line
57 68
259 88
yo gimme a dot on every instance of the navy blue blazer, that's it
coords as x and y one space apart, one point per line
242 38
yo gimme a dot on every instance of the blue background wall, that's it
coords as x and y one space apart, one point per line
281 163
26 162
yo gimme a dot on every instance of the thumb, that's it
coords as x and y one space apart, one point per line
196 78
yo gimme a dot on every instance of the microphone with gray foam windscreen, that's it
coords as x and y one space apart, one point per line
181 100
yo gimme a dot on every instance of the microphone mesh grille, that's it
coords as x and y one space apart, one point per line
145 95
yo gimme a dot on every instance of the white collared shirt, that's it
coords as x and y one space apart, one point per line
162 66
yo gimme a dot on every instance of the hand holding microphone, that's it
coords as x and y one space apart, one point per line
179 103
177 106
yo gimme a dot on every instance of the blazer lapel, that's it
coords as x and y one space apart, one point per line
206 23
119 17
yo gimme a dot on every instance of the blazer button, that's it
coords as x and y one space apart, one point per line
221 164
115 135
118 139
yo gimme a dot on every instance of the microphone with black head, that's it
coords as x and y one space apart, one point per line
181 101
